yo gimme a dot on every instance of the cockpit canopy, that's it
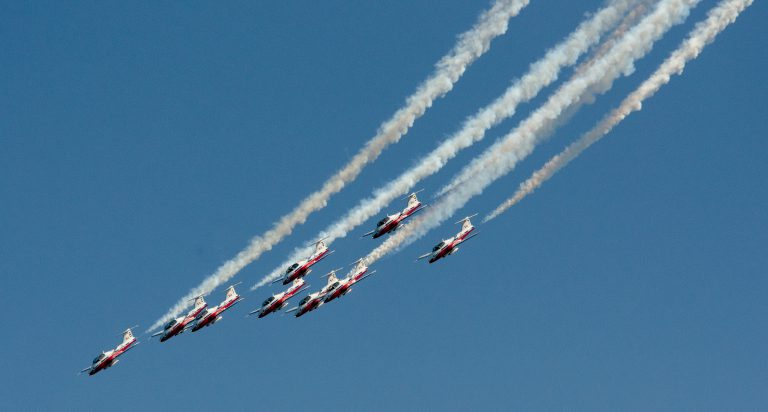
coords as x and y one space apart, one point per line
334 286
291 268
170 324
439 245
382 222
99 358
305 300
268 301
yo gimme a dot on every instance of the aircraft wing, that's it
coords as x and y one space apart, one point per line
254 311
157 334
426 255
280 279
366 275
293 309
422 207
369 233
238 300
324 256
469 237
85 370
135 344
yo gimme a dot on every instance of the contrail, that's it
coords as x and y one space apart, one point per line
704 33
502 156
540 74
469 47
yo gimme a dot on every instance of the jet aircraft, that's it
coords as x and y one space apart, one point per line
177 325
209 316
108 358
341 287
391 223
302 267
450 245
280 300
314 300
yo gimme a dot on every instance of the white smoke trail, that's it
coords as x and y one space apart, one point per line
632 17
627 23
470 46
540 74
502 156
704 33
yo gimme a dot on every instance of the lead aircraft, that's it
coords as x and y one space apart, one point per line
278 301
178 325
212 315
109 358
302 267
450 245
390 223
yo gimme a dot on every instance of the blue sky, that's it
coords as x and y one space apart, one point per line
142 145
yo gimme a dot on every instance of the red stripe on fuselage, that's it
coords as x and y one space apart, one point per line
109 359
206 320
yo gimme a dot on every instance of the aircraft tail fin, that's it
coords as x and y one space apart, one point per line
358 264
128 335
319 244
465 223
412 199
199 301
231 291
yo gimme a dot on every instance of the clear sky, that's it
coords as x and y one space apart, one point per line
143 144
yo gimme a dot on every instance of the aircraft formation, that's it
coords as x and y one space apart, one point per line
627 29
202 316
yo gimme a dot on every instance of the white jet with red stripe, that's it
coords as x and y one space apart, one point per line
302 267
178 325
280 300
341 287
450 246
315 300
108 358
209 316
391 223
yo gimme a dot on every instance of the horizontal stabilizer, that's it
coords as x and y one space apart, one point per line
414 193
331 272
316 241
466 218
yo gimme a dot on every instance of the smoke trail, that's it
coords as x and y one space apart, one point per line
502 156
629 20
470 46
704 33
540 74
